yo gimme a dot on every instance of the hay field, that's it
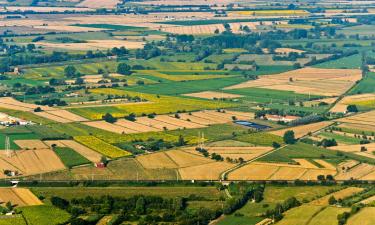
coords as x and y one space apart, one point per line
109 127
287 50
362 171
18 197
365 216
341 106
247 153
98 4
94 44
213 95
30 144
190 166
29 162
278 171
364 120
269 13
356 149
156 160
308 80
303 130
58 115
208 171
135 126
86 152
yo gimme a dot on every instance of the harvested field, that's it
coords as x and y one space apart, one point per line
287 173
11 103
30 144
197 29
157 124
303 130
253 172
213 95
325 164
177 122
135 126
94 44
338 195
324 82
18 197
67 115
357 172
110 127
314 173
287 50
305 163
208 171
156 161
52 117
355 148
368 200
365 119
29 162
97 4
86 152
316 102
277 171
184 159
246 153
341 106
365 216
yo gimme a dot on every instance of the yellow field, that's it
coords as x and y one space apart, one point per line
365 216
101 146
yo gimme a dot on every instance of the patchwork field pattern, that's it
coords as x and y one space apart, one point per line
362 121
143 124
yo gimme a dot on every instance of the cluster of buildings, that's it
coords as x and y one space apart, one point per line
8 121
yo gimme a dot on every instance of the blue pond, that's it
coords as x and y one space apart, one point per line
251 124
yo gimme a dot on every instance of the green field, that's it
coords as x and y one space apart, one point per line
274 194
350 62
340 138
366 85
264 139
126 192
70 157
263 95
177 88
44 215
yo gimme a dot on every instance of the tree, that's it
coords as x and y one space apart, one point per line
332 200
124 69
181 141
140 205
289 137
109 118
70 71
275 145
352 108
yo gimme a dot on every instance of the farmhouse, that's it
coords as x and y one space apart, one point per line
278 118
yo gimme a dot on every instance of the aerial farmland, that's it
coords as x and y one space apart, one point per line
227 112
